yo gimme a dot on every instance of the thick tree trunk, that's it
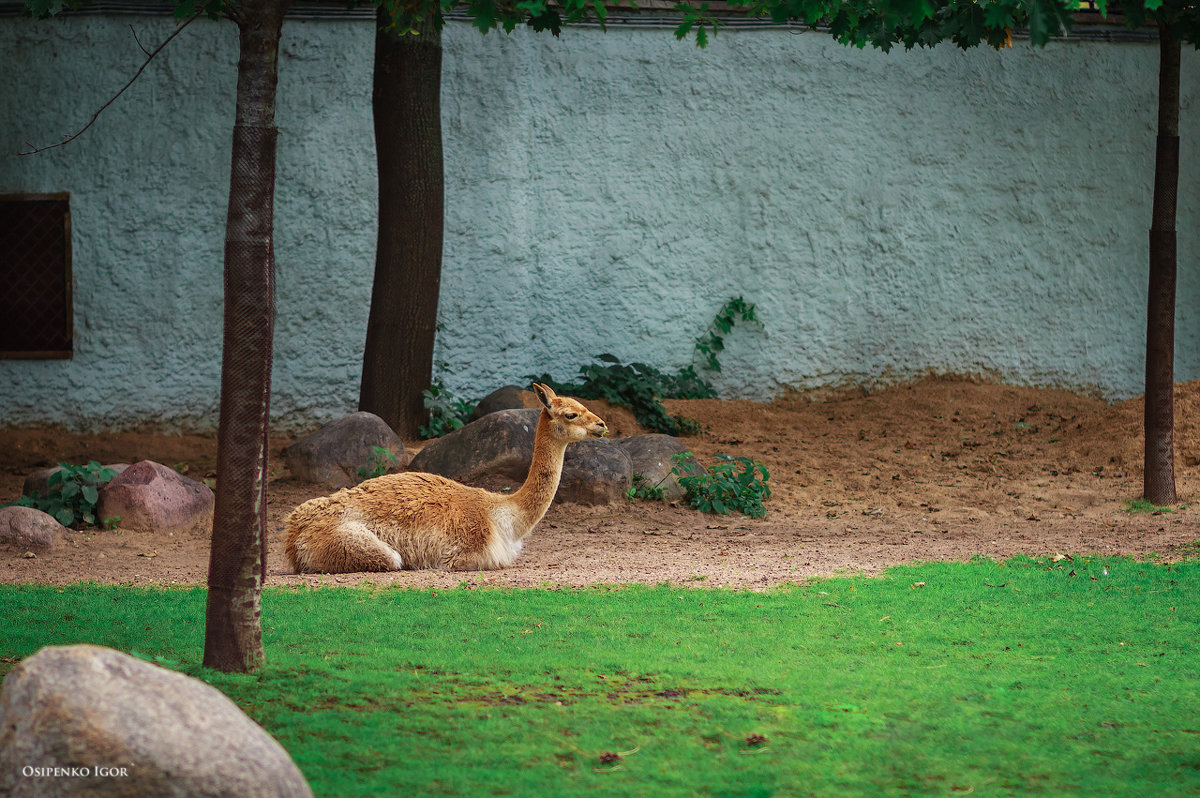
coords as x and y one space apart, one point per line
237 563
398 358
1159 480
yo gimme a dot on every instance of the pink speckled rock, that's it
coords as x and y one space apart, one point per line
150 496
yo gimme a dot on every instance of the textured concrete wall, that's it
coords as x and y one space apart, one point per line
890 215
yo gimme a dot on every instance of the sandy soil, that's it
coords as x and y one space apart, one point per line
944 469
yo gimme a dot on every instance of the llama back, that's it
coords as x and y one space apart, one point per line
433 522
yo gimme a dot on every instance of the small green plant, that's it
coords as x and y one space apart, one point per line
378 464
72 495
1146 507
733 484
642 489
713 340
446 412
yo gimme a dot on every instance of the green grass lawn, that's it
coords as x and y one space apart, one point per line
1027 677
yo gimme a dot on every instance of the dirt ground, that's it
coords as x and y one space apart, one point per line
943 469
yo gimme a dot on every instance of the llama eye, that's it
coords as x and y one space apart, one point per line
570 416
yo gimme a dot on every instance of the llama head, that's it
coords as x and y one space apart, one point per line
569 420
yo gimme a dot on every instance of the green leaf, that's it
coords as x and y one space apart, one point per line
65 516
90 494
998 15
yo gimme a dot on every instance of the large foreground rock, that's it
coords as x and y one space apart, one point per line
86 720
653 457
148 496
595 471
500 445
25 526
333 455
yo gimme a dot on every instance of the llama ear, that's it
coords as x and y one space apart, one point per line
544 394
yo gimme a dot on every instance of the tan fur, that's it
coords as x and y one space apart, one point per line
416 520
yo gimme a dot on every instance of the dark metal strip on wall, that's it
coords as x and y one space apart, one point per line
1085 30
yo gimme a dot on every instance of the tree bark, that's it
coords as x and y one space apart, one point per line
237 562
406 98
1159 421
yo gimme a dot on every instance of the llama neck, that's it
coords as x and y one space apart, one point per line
533 498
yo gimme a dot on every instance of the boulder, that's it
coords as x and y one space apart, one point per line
595 471
499 447
40 480
652 456
148 496
510 397
25 526
87 720
334 455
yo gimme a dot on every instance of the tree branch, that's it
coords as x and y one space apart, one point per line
139 41
149 57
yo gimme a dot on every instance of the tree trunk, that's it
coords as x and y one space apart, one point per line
237 563
406 98
1159 479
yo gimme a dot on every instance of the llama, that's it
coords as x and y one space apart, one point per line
415 520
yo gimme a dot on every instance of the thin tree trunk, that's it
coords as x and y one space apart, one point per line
1159 479
237 563
406 98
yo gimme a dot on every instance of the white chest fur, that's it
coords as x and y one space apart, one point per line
506 542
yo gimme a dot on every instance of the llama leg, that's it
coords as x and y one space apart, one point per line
346 547
362 550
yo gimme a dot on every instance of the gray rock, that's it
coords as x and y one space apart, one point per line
506 398
500 446
333 455
148 496
123 727
25 526
40 480
652 457
595 471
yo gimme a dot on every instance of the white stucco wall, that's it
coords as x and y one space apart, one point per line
890 215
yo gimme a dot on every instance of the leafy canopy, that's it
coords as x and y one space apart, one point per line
882 24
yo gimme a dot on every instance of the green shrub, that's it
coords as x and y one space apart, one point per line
733 484
378 464
642 489
446 412
73 494
640 388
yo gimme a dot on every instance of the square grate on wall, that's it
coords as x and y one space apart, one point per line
35 272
